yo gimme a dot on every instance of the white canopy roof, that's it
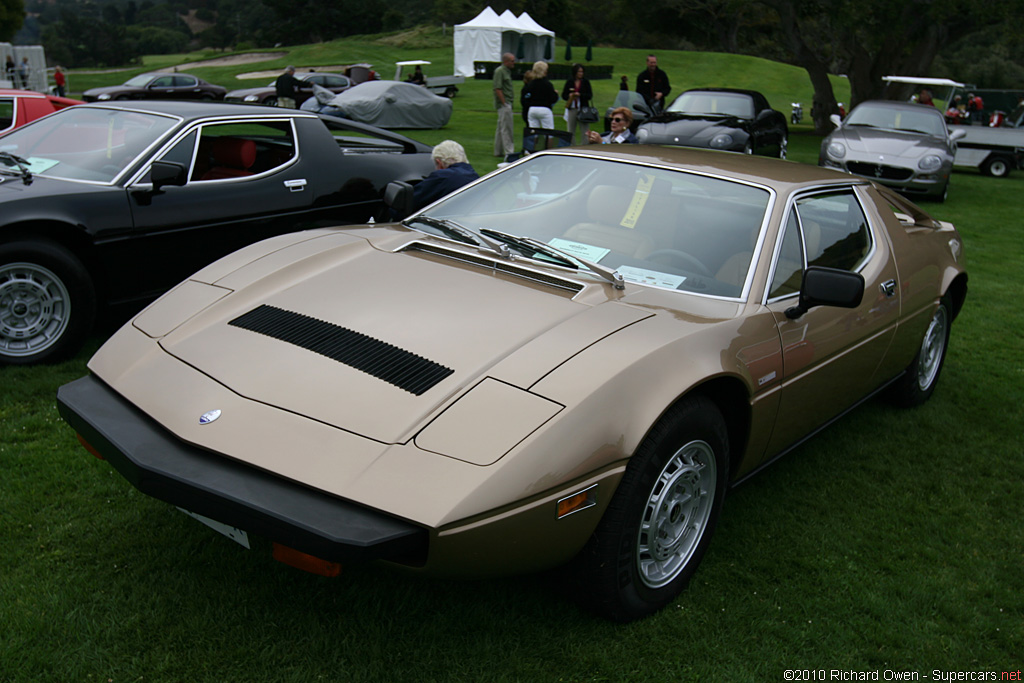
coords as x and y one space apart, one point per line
487 36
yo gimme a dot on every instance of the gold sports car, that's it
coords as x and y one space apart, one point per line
569 361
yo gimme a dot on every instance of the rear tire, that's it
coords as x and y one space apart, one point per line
47 302
918 382
660 520
996 166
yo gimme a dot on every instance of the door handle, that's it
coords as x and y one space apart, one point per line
296 185
888 288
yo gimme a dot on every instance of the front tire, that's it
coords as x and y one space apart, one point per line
918 382
47 302
660 520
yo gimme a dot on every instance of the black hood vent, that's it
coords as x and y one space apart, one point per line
396 366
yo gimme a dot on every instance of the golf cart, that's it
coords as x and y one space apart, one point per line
439 85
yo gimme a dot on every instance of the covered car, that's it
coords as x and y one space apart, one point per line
388 104
904 146
158 86
719 118
570 360
109 205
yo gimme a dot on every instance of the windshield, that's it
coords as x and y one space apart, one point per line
928 120
655 226
718 103
85 143
139 81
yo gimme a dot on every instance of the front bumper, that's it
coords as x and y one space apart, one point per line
162 466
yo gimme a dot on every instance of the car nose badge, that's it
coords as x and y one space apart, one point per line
208 417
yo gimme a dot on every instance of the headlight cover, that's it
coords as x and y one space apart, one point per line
103 96
250 98
721 141
930 162
835 150
643 134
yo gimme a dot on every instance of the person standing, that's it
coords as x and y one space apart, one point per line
503 94
577 94
285 87
652 83
23 73
59 81
540 95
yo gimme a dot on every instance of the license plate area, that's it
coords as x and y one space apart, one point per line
234 533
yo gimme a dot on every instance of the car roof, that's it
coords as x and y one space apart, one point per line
190 110
737 91
784 176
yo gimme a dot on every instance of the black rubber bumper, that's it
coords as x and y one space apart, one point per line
160 465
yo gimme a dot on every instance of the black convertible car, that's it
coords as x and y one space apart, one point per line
106 205
719 118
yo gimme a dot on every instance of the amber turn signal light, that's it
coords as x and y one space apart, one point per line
305 562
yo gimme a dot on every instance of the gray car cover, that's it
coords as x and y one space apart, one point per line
388 104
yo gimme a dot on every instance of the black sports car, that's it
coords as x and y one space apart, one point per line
158 86
113 204
719 118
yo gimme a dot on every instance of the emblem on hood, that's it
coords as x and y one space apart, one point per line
208 417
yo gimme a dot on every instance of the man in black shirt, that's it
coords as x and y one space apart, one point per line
285 86
652 83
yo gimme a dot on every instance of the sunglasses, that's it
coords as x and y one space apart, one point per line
618 119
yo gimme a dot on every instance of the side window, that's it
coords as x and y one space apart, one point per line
184 81
181 153
238 150
789 269
835 230
162 82
6 113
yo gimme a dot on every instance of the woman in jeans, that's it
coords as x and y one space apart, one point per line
577 94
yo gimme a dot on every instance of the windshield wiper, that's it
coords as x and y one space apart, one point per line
462 233
22 164
564 257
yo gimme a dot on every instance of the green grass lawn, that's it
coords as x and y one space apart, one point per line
892 541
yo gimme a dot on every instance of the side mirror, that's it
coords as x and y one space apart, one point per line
163 173
836 121
828 287
398 196
957 134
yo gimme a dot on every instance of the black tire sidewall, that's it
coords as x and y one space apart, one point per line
614 588
907 391
76 280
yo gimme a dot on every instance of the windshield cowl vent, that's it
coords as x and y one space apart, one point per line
498 265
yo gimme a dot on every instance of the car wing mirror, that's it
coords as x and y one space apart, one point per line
163 173
828 287
957 134
398 196
836 121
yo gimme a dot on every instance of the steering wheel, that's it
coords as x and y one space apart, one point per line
676 258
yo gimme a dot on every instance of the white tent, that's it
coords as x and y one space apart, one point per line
487 36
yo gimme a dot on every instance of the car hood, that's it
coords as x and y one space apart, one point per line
251 91
374 340
873 141
692 127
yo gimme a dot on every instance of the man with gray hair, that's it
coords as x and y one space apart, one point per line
285 87
504 145
452 171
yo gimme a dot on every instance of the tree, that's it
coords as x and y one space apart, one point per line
12 16
869 39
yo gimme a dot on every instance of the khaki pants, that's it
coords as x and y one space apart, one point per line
286 102
503 142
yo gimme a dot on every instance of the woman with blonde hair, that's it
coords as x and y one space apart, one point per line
539 96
